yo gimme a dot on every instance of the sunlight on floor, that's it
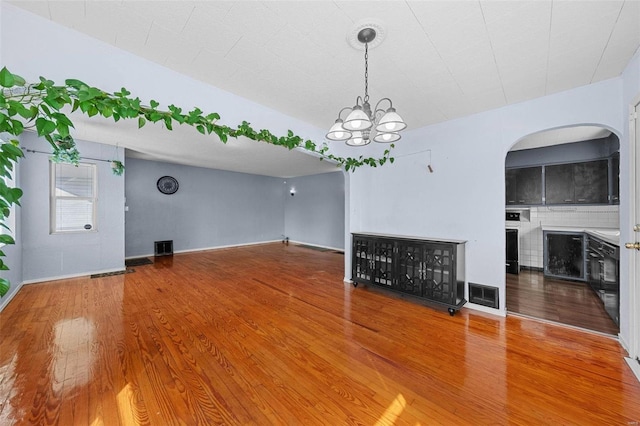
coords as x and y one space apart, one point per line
124 398
73 361
393 411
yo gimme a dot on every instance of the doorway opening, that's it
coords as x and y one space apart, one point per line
562 227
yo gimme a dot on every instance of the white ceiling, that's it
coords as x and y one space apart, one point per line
439 60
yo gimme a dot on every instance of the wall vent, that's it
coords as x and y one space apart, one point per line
484 295
163 248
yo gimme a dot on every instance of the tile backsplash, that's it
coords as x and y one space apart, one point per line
530 232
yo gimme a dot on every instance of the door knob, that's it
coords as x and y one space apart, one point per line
635 245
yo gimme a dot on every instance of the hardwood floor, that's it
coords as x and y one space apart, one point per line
572 303
270 335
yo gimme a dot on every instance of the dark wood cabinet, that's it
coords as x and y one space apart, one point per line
559 184
422 268
577 183
591 180
524 186
511 181
615 178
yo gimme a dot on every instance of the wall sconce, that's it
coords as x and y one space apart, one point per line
292 192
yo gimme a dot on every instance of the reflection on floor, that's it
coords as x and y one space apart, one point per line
567 302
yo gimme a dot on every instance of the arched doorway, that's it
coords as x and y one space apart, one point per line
562 227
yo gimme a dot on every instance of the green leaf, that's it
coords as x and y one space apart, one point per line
44 126
61 118
141 122
18 81
76 84
153 104
167 122
18 127
11 150
6 78
6 239
63 129
4 286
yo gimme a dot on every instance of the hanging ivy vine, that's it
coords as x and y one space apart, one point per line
38 107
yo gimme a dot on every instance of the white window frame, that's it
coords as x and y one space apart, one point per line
53 197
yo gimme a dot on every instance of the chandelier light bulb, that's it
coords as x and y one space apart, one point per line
386 137
357 120
391 122
337 132
359 139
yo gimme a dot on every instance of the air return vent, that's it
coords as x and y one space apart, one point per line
484 295
163 248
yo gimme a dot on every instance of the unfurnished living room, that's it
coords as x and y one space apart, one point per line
320 212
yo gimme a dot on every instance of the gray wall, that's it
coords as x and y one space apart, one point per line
315 214
565 153
46 256
212 208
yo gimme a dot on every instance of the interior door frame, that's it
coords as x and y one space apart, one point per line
634 218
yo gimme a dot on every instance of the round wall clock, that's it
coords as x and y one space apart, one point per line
167 185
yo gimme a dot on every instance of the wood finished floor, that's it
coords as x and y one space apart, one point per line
270 335
567 302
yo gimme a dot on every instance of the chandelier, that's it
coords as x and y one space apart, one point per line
364 124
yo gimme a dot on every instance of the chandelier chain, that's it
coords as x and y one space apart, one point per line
366 72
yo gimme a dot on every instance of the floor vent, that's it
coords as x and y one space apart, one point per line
163 248
484 295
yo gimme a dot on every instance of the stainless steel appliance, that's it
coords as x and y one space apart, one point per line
512 264
604 275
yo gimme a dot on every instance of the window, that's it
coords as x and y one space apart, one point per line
73 197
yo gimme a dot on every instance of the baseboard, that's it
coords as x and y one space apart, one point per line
623 343
206 248
485 309
531 268
5 301
66 277
317 245
227 246
634 364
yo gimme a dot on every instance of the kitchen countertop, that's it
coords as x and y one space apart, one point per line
609 235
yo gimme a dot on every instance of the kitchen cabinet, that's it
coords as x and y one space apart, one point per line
577 183
524 186
564 255
615 178
558 184
426 269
